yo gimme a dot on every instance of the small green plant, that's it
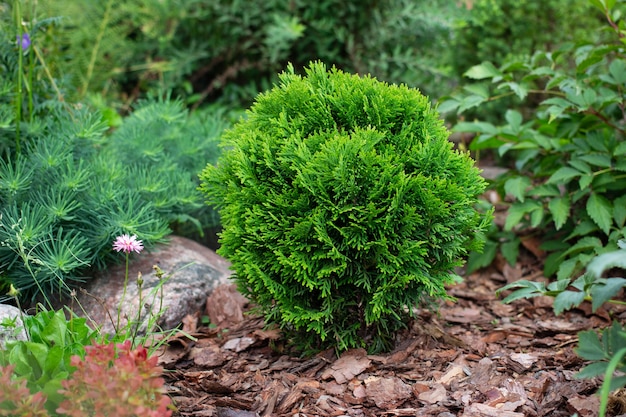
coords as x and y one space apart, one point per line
343 206
72 190
115 381
607 350
43 361
568 158
111 380
16 399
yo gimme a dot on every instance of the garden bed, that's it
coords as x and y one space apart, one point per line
477 357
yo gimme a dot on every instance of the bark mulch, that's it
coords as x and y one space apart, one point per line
475 357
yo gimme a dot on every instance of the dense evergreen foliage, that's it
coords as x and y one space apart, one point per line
343 206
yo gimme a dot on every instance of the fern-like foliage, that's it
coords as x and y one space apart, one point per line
343 206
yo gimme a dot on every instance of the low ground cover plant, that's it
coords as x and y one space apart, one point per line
64 368
106 380
566 178
343 207
567 159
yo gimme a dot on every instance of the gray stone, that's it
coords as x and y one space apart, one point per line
11 326
191 272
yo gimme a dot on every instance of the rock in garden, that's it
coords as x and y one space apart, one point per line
11 326
190 273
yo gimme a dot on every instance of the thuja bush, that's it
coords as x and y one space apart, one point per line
343 206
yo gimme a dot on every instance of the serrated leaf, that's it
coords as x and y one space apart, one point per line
566 300
517 187
520 90
523 286
601 293
589 346
448 106
567 269
469 102
477 89
510 250
517 211
601 160
559 208
563 175
600 210
619 211
584 181
513 118
522 293
482 71
620 149
475 127
536 216
581 166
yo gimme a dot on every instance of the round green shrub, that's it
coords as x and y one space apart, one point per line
343 206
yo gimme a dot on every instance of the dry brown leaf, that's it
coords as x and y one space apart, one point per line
207 356
225 306
434 395
350 364
387 393
239 344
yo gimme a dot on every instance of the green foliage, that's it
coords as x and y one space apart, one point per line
607 352
569 157
74 189
110 380
505 31
44 360
570 293
232 49
343 206
495 30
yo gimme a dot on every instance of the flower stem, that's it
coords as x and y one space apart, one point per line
119 306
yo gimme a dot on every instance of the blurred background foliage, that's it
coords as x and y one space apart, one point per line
229 50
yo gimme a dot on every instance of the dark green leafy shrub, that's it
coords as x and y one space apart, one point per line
495 30
343 206
566 180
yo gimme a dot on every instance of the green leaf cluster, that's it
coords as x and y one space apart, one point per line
505 31
607 353
44 360
568 158
343 206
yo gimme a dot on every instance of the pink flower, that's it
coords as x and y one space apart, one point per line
126 243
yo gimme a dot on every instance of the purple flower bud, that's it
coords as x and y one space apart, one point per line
25 41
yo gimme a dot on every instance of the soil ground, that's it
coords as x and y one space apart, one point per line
475 357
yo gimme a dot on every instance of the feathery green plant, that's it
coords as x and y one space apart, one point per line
343 207
72 190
